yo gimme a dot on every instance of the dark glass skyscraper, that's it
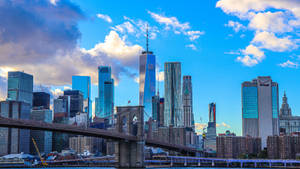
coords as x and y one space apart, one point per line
173 98
260 108
41 99
83 84
20 87
106 93
210 141
76 101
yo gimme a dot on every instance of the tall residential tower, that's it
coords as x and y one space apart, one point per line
187 102
173 100
260 108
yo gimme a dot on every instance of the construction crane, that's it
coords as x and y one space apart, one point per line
37 150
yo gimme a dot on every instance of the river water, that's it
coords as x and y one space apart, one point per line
147 168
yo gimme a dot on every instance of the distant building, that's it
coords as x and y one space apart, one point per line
14 141
41 99
105 106
187 101
76 101
287 122
260 108
210 140
43 138
83 84
283 147
147 81
173 99
237 146
156 109
60 141
80 119
161 111
20 87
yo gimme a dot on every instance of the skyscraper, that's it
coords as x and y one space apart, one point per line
187 101
106 93
210 141
41 99
12 140
20 87
147 80
173 99
260 108
76 101
83 84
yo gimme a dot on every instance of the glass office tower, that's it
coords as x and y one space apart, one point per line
83 84
260 108
173 100
147 82
106 93
20 87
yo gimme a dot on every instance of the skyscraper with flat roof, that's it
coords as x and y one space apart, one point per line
20 87
106 93
187 101
173 99
210 141
260 108
41 99
83 84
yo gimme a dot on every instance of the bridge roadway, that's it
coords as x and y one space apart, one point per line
93 132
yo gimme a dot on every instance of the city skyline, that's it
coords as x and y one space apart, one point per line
227 53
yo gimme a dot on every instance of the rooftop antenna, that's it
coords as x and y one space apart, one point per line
158 84
147 45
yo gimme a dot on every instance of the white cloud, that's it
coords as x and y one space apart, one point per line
172 23
275 23
269 41
193 35
236 26
271 22
225 125
57 92
136 28
104 17
254 51
289 64
247 60
192 46
124 27
160 76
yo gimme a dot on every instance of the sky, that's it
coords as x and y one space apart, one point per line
220 43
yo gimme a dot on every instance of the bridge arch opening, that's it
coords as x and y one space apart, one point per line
134 129
124 125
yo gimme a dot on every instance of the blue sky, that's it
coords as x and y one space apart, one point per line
220 43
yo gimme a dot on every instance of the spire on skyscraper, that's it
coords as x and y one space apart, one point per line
147 44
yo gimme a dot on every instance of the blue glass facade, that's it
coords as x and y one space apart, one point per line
83 84
275 101
20 87
147 82
106 93
173 113
250 102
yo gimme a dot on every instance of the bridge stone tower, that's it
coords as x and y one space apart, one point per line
130 120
